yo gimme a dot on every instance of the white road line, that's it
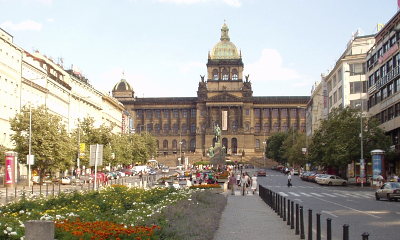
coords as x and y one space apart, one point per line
329 195
329 213
295 194
306 194
356 210
283 194
316 194
340 194
299 200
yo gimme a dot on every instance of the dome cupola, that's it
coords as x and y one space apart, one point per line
224 49
122 89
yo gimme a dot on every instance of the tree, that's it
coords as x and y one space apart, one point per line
275 148
51 144
292 148
336 143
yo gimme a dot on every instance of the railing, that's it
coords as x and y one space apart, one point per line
293 214
395 72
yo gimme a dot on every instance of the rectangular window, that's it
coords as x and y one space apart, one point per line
396 60
266 113
139 113
166 113
356 69
383 71
334 97
384 93
397 110
389 65
193 113
157 114
378 97
340 75
390 113
176 113
340 93
184 113
257 112
355 87
397 85
330 101
334 81
393 40
149 114
390 89
329 86
247 112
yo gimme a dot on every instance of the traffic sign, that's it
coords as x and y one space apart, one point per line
96 155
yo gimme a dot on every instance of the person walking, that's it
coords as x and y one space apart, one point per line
232 183
244 182
254 183
289 180
238 179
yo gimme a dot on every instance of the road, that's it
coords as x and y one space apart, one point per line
350 205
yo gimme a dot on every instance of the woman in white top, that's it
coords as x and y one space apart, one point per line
254 183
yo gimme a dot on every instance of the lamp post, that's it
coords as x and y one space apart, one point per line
362 163
30 157
180 148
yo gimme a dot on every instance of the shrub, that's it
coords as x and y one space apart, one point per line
205 186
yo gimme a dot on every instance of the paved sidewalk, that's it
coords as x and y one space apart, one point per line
248 217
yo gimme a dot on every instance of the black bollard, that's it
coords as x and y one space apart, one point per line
297 219
284 209
318 226
345 232
328 229
288 212
309 224
365 236
292 215
281 207
302 235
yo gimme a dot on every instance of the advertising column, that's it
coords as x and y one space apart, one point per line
9 175
377 164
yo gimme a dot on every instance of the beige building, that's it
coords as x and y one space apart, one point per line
317 107
10 84
224 98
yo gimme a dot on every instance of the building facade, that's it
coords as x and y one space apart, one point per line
383 72
224 98
32 79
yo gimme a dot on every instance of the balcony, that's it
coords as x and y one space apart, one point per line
394 73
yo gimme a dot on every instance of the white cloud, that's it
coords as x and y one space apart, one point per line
50 19
233 3
28 25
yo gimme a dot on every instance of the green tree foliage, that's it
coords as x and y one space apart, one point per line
275 148
51 144
336 143
292 148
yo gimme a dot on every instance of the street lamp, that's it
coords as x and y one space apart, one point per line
362 164
30 157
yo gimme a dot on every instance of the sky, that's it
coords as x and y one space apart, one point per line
161 46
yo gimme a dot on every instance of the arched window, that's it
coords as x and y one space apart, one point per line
247 126
193 145
184 145
174 144
257 127
215 74
235 75
193 128
165 144
266 128
257 143
225 75
149 127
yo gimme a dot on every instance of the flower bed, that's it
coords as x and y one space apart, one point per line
126 208
205 186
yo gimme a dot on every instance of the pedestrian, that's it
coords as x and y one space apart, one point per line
232 183
243 183
380 180
254 183
238 179
289 180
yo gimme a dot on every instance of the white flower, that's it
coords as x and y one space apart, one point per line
13 233
9 229
5 232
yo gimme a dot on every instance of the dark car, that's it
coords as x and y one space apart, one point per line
261 173
389 190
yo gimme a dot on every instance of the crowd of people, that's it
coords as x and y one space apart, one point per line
243 182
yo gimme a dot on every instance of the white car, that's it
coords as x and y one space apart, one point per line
331 180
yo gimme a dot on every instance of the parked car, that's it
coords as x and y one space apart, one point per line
69 180
389 190
331 180
165 170
128 172
261 173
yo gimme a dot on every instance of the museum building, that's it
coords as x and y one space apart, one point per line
224 98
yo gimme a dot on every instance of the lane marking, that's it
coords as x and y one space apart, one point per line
283 194
306 194
295 194
329 213
316 194
298 199
356 210
329 195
